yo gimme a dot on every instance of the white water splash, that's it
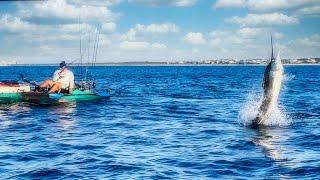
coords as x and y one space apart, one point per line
279 117
287 78
249 111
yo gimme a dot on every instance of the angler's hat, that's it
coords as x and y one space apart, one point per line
62 64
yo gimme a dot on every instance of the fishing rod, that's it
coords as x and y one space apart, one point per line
94 47
73 62
81 55
88 58
92 40
27 81
95 52
97 46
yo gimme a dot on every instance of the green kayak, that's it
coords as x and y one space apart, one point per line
46 98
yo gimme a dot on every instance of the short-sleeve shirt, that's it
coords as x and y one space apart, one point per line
65 77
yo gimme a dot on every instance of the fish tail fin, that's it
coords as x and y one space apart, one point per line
256 122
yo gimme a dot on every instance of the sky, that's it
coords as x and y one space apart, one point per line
157 30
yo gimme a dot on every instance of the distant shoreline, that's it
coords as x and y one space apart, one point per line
153 65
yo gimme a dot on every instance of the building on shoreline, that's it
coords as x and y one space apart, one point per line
185 62
7 63
249 61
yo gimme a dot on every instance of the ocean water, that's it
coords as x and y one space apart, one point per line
165 122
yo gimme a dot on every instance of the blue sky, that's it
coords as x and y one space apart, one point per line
158 30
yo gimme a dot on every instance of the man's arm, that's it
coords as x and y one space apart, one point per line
56 76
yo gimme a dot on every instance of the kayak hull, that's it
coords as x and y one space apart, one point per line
45 98
78 95
10 98
88 97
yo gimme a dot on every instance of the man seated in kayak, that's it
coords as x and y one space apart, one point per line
63 79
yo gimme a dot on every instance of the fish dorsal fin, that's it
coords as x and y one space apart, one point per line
272 55
278 57
278 62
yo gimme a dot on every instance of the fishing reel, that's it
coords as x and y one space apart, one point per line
87 84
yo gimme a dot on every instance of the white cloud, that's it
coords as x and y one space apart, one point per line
271 5
152 28
218 33
108 27
177 3
242 43
307 46
315 10
277 35
104 41
54 37
157 28
127 45
61 9
130 35
140 45
195 38
39 33
266 5
95 2
297 7
311 41
246 33
255 33
229 3
183 3
15 24
72 28
249 32
264 20
158 46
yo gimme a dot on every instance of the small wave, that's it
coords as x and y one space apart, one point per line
44 173
301 115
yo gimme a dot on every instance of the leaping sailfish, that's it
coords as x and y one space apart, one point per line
272 81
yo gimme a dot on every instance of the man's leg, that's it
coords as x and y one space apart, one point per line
47 84
56 87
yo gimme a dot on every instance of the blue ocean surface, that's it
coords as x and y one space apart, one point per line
164 122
